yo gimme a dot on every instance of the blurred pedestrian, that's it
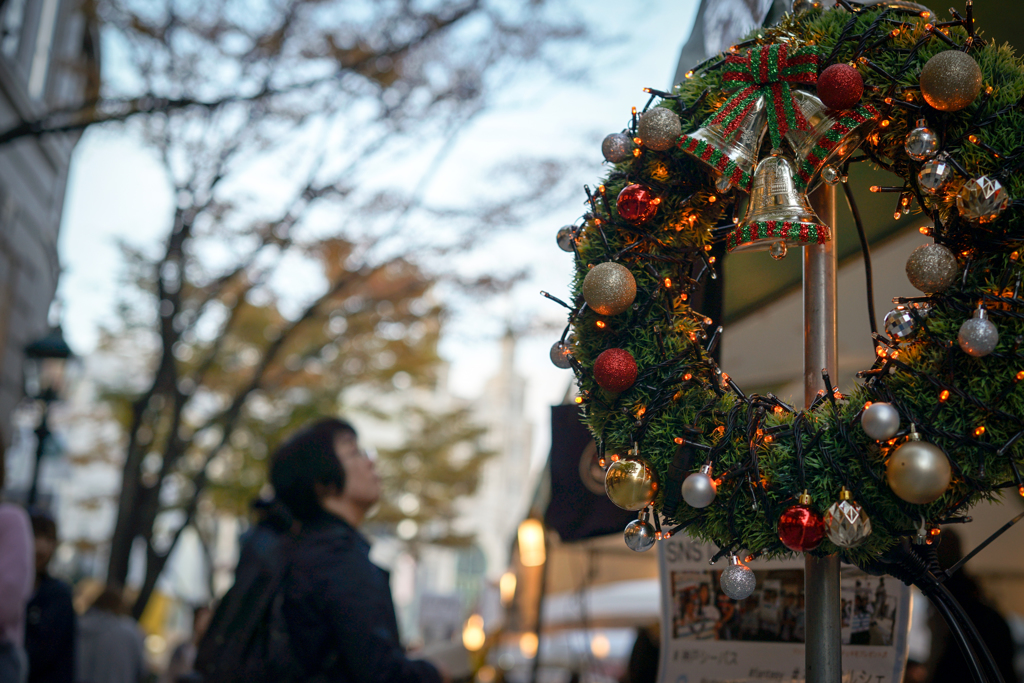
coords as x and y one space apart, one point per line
16 574
946 664
50 616
335 605
183 659
110 645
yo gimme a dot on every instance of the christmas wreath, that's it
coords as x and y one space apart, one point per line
728 156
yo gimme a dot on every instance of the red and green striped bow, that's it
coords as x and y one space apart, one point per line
767 71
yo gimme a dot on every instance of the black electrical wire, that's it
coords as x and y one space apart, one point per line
865 249
957 631
943 593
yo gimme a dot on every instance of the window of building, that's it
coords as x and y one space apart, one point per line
44 47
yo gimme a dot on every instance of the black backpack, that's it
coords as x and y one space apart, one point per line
247 640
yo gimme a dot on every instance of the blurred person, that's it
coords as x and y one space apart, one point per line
50 616
181 665
338 616
643 658
946 664
728 625
16 572
110 643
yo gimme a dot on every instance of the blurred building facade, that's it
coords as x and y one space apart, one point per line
49 60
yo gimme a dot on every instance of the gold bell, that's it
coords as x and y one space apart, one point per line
730 155
778 215
829 139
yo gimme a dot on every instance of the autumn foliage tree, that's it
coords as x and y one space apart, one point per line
296 137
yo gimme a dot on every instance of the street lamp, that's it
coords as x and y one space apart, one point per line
45 365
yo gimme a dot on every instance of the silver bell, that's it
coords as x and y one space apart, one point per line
730 155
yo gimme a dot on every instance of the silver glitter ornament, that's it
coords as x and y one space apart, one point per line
880 421
659 128
900 324
921 143
639 534
609 288
932 268
982 200
846 523
935 175
699 489
565 238
918 471
561 355
617 147
738 580
978 336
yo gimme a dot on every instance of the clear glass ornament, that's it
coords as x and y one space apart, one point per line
982 200
935 175
846 523
921 143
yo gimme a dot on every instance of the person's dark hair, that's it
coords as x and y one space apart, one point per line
110 600
43 526
305 460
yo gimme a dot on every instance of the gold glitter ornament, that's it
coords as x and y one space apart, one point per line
659 128
609 288
932 268
951 80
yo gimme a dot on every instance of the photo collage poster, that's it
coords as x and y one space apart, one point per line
708 637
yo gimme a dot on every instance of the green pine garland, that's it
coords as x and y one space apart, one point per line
680 394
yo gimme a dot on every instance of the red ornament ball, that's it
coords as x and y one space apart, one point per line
840 86
636 203
801 528
615 370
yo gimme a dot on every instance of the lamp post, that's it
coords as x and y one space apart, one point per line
45 364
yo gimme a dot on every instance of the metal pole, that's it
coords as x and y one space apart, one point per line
823 653
42 434
535 670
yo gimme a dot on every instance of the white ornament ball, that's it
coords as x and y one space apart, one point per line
639 535
699 489
880 421
738 581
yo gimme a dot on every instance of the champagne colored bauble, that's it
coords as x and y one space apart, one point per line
801 528
880 421
978 336
609 288
617 147
921 143
935 175
659 128
846 523
899 324
615 370
918 471
630 484
951 80
639 535
561 355
932 268
982 200
840 86
699 488
565 237
636 204
738 580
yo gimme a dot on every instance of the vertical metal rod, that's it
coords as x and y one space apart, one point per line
823 653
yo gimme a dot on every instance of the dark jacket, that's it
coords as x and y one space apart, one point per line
50 633
337 606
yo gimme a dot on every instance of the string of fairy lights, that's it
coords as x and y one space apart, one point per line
727 157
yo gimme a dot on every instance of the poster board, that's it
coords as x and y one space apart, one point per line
707 637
